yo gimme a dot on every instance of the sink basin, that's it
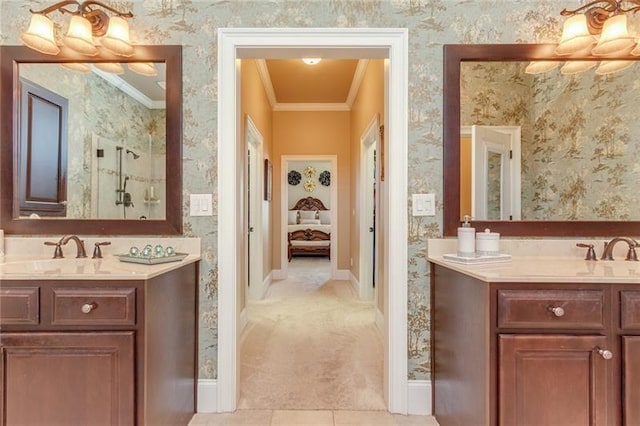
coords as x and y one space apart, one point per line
51 266
64 267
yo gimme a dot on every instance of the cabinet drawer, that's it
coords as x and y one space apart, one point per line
94 306
630 309
19 305
551 309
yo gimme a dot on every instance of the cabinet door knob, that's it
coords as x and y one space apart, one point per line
88 307
605 353
557 311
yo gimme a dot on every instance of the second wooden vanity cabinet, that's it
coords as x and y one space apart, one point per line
99 352
526 353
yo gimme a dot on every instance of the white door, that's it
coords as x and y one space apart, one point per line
368 224
495 175
255 189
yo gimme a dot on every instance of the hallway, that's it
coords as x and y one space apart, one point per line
310 344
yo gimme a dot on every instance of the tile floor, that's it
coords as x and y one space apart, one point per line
309 418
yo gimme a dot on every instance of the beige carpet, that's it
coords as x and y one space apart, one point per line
311 344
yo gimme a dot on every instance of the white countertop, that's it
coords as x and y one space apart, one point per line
29 259
557 261
107 268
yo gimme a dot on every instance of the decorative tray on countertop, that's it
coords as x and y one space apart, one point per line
151 260
477 259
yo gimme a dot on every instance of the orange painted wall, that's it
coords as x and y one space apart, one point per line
368 104
255 104
313 133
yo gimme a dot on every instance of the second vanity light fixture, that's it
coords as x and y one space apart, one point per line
598 29
89 19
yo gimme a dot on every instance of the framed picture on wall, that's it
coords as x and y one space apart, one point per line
268 171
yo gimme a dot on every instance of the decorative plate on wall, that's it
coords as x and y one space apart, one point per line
309 186
294 177
325 178
309 172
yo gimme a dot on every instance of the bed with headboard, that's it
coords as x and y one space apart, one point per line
309 229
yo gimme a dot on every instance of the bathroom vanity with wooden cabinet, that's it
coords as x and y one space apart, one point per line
536 342
99 351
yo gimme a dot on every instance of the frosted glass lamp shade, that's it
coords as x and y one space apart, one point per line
143 68
76 66
110 67
575 36
117 39
79 37
539 67
615 39
576 67
609 67
39 36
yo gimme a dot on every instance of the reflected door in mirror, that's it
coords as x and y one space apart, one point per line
42 151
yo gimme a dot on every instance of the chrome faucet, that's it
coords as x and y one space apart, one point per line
607 254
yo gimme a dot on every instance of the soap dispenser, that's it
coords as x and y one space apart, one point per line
466 239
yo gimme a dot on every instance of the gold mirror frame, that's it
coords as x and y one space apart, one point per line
454 55
10 58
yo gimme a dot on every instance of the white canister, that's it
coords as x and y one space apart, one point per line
1 243
488 243
466 242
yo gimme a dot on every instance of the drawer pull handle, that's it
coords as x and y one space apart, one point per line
605 353
88 307
557 311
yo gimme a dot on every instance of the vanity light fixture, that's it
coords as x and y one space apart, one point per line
143 68
598 28
311 61
89 19
110 67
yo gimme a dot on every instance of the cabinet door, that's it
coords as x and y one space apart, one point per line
631 380
552 380
67 378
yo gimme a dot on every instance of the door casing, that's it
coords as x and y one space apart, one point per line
385 43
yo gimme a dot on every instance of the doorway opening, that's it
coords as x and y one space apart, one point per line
390 44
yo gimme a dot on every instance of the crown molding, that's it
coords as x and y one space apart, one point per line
358 76
265 77
130 90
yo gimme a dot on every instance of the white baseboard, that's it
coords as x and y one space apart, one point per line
380 321
418 396
243 319
265 285
342 275
278 274
354 283
207 396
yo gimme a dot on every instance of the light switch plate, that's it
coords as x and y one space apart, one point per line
423 204
201 205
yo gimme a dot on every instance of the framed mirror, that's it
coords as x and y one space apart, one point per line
89 149
578 173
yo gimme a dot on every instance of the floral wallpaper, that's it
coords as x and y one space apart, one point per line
575 166
431 23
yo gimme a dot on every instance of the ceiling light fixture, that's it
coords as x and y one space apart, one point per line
89 19
311 61
599 29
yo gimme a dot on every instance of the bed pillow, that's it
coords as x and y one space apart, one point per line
325 217
292 217
310 221
307 214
